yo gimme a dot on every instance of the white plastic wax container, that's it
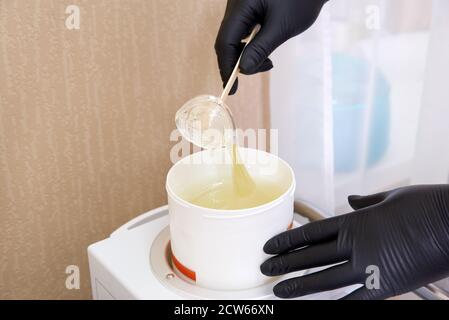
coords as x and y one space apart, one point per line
223 249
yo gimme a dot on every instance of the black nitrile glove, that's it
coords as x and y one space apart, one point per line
280 21
404 233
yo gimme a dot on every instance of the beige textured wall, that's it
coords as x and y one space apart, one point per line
85 118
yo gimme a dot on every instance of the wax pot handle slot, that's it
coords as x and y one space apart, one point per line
236 70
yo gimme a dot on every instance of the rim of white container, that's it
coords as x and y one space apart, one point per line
233 213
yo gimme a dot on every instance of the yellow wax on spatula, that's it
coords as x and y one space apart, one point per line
204 113
244 184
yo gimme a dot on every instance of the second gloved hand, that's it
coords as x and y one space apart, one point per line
280 21
403 233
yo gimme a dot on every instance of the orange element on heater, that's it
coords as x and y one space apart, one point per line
183 269
290 226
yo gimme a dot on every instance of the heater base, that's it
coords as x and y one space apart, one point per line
135 263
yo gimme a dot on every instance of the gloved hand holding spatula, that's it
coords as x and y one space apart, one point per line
280 20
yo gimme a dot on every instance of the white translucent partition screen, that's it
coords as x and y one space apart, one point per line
432 143
358 98
300 96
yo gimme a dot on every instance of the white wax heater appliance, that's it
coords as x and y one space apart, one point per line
184 251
